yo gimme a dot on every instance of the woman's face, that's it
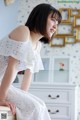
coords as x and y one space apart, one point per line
51 25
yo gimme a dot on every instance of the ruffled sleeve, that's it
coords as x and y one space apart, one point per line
19 50
38 65
22 51
10 47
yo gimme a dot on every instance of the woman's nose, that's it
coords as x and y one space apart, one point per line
55 25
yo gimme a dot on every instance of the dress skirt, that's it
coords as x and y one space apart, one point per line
28 106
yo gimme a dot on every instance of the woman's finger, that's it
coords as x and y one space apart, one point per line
10 105
13 108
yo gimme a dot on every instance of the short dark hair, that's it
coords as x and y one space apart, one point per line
37 19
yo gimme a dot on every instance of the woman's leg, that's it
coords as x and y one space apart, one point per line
28 106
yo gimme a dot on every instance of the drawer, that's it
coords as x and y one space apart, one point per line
57 96
59 111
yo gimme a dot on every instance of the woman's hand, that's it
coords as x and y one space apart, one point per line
8 104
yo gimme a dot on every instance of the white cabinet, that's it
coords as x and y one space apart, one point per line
60 100
56 70
61 70
43 76
53 85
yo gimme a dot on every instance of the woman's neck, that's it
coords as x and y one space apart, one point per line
35 37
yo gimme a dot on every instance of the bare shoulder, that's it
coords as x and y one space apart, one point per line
21 33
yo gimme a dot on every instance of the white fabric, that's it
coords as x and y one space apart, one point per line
22 51
28 107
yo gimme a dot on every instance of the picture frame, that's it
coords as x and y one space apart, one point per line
65 12
65 29
57 41
74 31
74 12
77 21
70 39
77 34
72 20
68 31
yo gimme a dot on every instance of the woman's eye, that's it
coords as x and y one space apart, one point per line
53 19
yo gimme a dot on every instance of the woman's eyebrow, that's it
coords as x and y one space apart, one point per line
55 16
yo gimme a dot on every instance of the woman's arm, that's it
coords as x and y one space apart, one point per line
21 33
9 76
26 80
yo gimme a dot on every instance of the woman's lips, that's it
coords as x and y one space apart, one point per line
52 30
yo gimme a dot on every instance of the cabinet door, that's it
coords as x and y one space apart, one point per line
61 70
43 75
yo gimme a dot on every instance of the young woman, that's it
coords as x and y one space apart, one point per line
20 50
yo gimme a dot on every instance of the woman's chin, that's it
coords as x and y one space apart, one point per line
50 35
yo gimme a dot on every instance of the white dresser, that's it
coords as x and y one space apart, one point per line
60 100
54 86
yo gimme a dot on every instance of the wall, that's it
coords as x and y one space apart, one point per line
69 50
8 17
73 51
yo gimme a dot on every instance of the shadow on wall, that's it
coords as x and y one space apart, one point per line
8 17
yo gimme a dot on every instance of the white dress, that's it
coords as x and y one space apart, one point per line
28 106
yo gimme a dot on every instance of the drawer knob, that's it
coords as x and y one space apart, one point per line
57 96
53 112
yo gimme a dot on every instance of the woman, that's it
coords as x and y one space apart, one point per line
20 50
